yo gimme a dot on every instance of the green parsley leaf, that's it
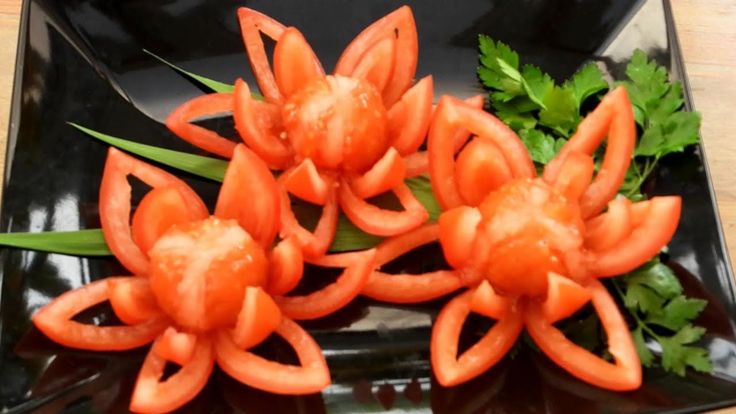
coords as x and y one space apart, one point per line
645 355
678 131
540 145
561 113
494 55
677 313
641 298
677 355
536 84
586 82
517 120
658 277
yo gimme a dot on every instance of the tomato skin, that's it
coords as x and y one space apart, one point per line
458 229
311 376
485 301
406 288
258 318
114 205
305 182
132 300
386 173
575 175
286 266
480 169
377 63
564 297
623 375
608 229
55 321
294 62
252 23
151 395
160 209
409 118
177 347
179 123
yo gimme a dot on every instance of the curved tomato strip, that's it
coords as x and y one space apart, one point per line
480 169
575 175
257 123
160 209
462 135
645 240
409 118
377 64
624 375
451 115
458 228
406 288
250 195
252 24
55 321
416 164
386 173
305 182
382 222
332 297
609 228
314 244
564 297
398 23
257 320
451 369
132 299
286 266
251 369
151 395
485 301
614 116
179 122
174 346
294 62
115 204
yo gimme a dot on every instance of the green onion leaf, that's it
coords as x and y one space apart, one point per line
79 243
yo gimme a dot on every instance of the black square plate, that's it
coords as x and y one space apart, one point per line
82 61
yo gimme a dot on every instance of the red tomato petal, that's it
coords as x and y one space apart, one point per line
485 301
257 123
257 320
386 173
609 228
645 240
416 164
480 169
401 22
313 244
381 222
151 395
623 375
132 299
332 297
377 64
294 62
407 288
252 24
286 266
55 321
305 182
408 119
458 228
174 346
115 204
250 369
179 122
564 297
451 369
575 175
250 195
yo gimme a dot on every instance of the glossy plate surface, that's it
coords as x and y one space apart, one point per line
82 61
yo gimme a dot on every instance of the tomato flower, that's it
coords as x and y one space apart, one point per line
339 139
530 250
208 288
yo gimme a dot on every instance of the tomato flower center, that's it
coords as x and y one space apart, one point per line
338 122
526 230
199 272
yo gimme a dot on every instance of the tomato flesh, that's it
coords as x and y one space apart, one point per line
338 122
200 270
527 227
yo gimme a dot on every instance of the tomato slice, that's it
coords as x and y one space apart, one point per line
294 62
609 228
409 118
623 375
451 369
407 288
252 24
132 300
250 195
115 204
575 175
479 169
177 347
452 115
160 209
458 229
257 320
286 266
382 222
314 244
151 395
485 301
250 369
385 174
305 182
416 164
55 321
564 297
462 135
614 117
260 126
377 64
179 122
645 240
399 23
332 297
